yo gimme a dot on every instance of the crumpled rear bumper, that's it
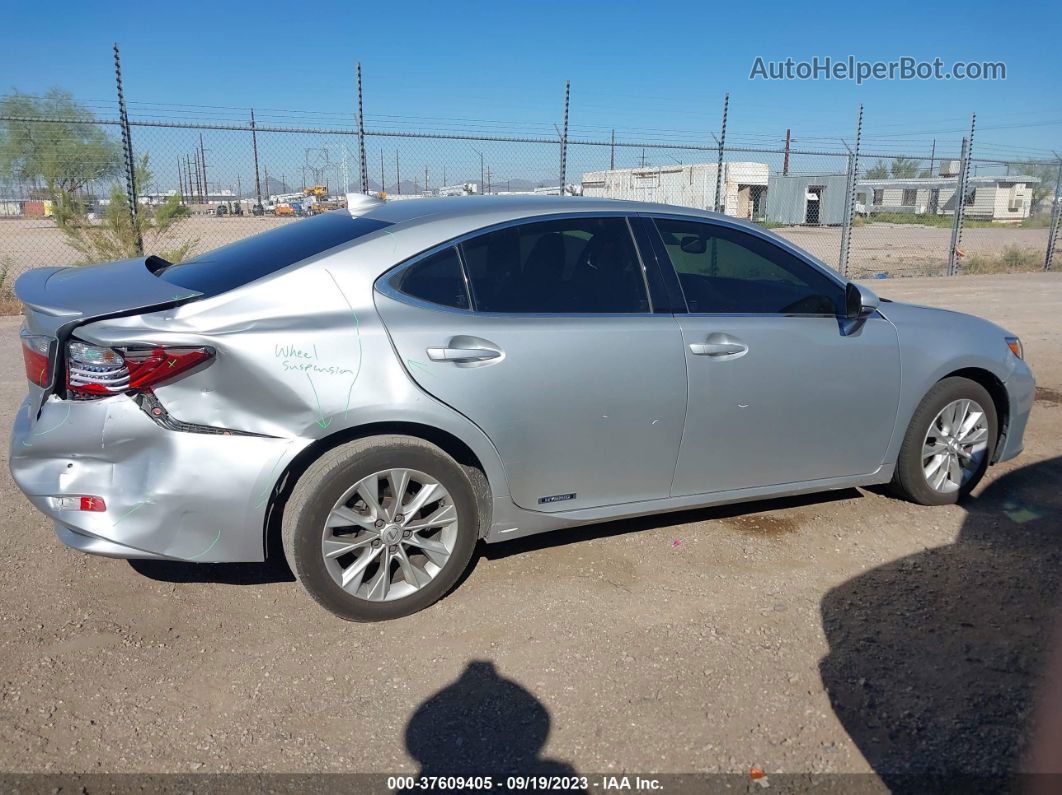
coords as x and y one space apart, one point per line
169 494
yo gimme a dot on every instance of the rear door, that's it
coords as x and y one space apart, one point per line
778 391
542 333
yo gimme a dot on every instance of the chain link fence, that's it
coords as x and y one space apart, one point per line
201 185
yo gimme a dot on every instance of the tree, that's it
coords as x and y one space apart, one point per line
879 170
114 236
904 168
56 155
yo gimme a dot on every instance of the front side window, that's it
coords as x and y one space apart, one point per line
573 265
724 270
436 279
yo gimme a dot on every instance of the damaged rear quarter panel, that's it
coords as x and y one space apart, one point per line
300 355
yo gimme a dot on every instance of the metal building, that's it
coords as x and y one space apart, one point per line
744 186
807 198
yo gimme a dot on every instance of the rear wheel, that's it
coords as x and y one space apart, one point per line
948 444
381 527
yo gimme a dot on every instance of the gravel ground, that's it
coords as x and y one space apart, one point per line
843 632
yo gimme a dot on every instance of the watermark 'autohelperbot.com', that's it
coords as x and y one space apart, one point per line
851 68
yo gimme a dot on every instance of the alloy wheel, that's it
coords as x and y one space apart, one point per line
955 445
389 535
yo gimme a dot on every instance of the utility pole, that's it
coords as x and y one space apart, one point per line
488 179
188 181
643 157
198 179
180 179
482 174
425 179
612 152
383 178
785 163
202 164
398 175
254 145
932 156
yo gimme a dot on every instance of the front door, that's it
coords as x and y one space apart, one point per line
778 394
555 354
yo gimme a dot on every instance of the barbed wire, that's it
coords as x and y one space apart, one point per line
460 136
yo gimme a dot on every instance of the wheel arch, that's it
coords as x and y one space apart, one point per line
451 444
998 392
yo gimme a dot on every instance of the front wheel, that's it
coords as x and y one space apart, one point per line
948 444
381 527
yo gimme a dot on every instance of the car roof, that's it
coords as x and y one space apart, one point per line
468 207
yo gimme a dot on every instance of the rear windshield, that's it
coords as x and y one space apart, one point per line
254 257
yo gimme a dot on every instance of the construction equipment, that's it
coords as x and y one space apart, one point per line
317 200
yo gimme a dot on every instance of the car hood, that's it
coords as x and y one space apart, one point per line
900 312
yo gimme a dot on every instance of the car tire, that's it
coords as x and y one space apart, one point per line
917 469
416 575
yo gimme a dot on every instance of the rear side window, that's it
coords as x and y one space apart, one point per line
728 271
244 261
573 265
437 279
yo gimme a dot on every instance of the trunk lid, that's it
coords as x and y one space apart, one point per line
88 291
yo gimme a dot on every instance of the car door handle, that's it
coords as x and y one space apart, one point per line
462 354
718 348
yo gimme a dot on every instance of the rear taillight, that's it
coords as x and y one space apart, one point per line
35 353
93 371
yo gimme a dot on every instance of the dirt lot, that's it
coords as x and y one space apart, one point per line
34 243
897 249
845 632
913 250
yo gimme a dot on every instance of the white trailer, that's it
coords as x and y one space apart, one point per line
744 186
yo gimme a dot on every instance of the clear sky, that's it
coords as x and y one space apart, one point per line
651 70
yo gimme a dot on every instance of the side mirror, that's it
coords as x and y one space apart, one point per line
859 301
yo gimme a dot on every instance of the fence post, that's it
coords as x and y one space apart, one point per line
956 222
1056 216
850 196
720 202
960 202
361 141
127 150
564 138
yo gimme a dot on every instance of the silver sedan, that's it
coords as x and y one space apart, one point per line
376 390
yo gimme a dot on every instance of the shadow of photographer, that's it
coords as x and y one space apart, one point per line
482 724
